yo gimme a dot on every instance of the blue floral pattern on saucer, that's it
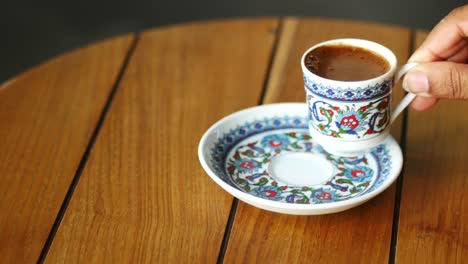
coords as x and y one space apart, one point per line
241 158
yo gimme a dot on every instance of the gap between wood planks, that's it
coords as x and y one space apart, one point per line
399 184
235 202
85 157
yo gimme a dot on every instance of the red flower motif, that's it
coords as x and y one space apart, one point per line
275 144
357 173
350 121
284 188
369 131
330 112
274 183
324 196
363 108
336 108
293 134
382 104
270 193
247 165
383 121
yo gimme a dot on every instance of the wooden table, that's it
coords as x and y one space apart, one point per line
98 160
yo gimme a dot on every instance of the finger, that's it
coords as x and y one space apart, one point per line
446 39
461 56
438 79
423 103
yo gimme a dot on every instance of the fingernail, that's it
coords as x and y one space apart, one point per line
416 82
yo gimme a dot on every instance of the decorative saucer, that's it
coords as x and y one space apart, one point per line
266 157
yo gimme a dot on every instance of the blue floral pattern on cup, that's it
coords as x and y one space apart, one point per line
349 121
348 94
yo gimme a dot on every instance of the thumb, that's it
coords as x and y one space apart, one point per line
438 79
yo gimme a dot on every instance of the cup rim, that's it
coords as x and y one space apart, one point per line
362 43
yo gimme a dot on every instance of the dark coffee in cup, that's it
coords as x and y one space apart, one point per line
345 63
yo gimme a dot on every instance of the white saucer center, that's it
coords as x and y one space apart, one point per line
300 169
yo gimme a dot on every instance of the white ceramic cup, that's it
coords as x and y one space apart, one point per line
349 118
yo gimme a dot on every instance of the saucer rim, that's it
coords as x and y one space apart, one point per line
289 208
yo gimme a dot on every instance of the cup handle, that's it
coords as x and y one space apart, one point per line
409 97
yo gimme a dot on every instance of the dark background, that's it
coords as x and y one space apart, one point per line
34 31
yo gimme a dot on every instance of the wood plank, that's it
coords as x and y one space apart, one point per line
434 206
143 197
48 115
359 235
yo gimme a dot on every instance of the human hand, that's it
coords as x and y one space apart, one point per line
443 72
